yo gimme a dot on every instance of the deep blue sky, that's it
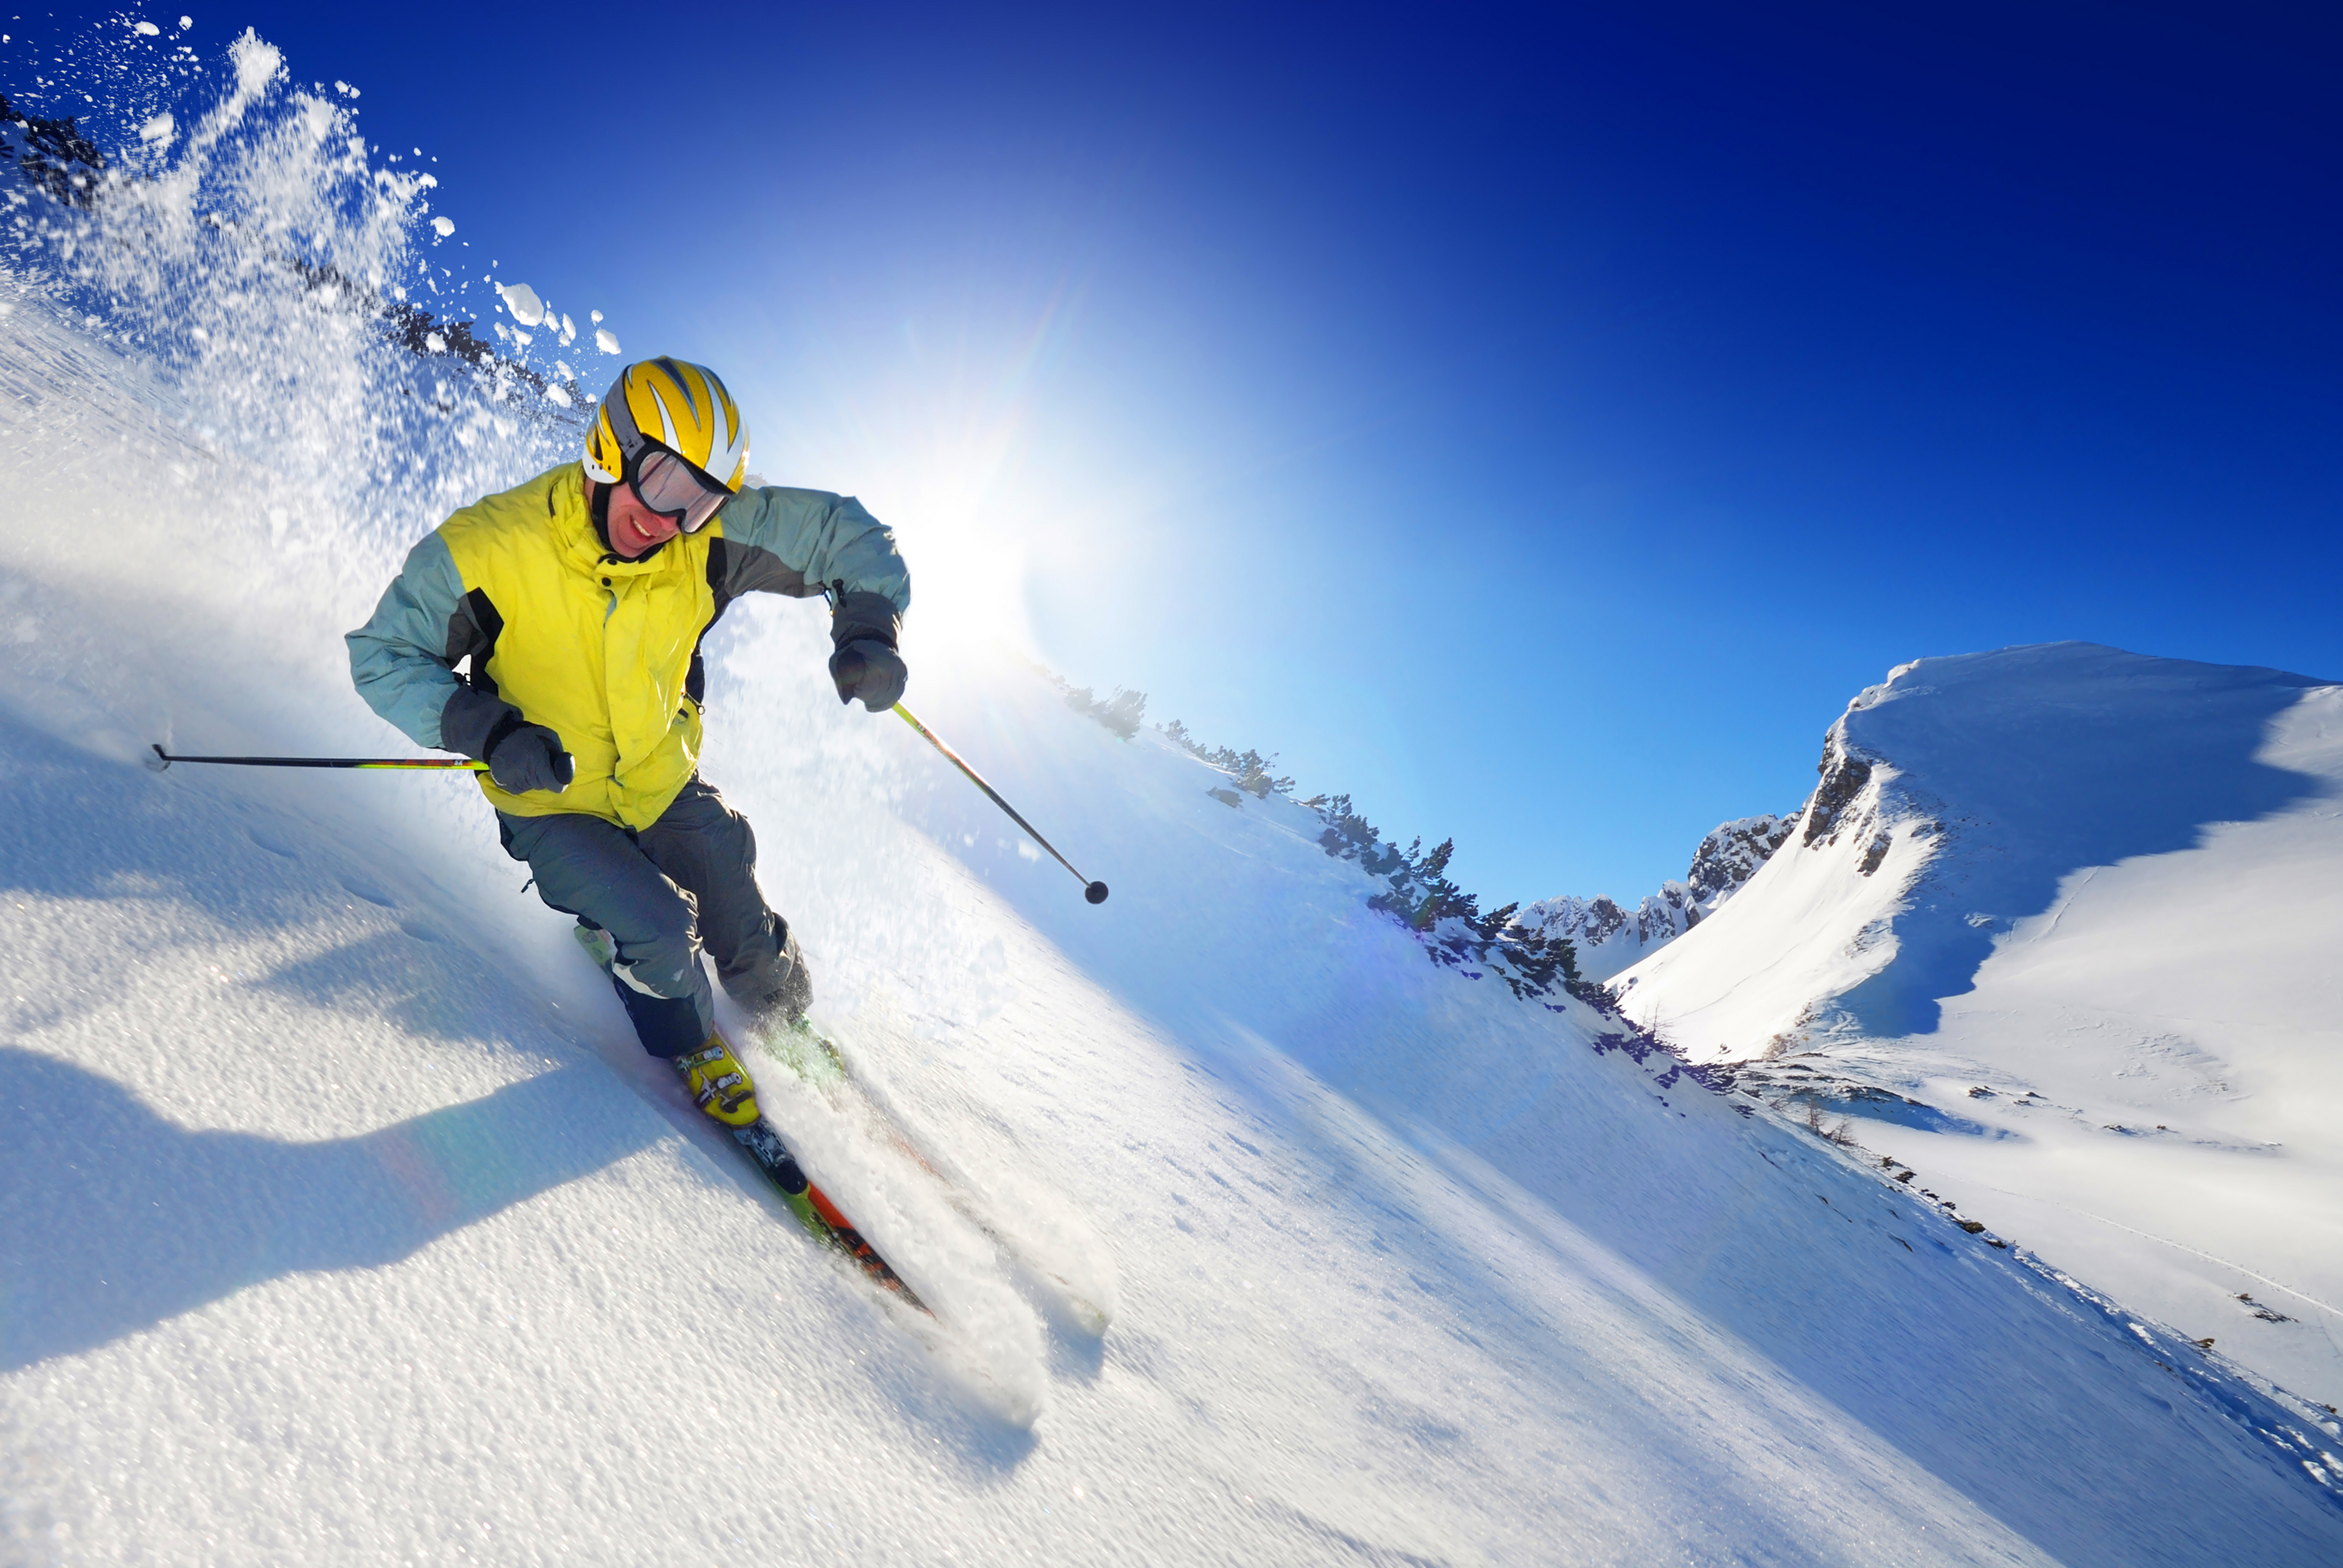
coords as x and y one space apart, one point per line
1537 422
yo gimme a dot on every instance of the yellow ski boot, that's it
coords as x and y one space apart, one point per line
720 1085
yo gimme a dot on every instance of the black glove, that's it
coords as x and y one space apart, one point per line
870 670
527 757
520 756
863 627
469 716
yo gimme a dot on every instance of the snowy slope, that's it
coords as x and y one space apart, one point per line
2076 912
342 1221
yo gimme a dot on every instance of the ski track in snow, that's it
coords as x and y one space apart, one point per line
341 1219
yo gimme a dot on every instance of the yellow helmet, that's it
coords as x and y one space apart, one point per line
673 404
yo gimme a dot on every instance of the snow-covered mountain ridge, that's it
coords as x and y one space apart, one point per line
1610 938
2059 928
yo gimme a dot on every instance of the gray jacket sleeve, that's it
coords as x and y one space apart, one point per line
805 542
403 659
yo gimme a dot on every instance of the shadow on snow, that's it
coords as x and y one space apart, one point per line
114 1219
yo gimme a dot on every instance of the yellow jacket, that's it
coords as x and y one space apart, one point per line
605 652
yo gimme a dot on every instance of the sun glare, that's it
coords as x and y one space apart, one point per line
987 483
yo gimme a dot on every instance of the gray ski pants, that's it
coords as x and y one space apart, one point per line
685 883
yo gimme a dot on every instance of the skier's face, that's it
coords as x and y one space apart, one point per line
635 528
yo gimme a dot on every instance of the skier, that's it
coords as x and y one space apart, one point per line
575 605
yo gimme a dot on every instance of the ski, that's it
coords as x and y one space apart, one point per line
815 1059
817 1213
813 1207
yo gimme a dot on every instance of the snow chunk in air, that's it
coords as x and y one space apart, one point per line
606 340
442 226
257 63
522 301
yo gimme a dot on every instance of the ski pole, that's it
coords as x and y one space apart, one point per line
438 763
1095 891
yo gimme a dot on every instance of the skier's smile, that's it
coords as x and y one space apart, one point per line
634 526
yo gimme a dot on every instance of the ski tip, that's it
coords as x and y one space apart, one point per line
1095 892
849 1240
876 1270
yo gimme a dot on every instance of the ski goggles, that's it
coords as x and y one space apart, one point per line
672 487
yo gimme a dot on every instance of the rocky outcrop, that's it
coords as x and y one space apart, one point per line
1844 771
1610 937
1731 855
